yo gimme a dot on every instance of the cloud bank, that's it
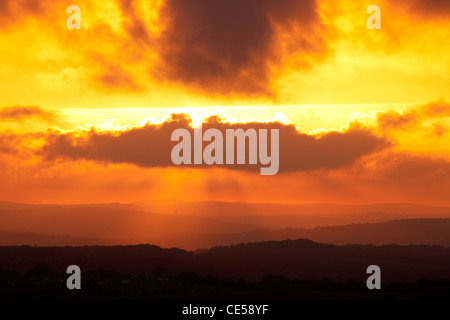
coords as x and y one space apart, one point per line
151 145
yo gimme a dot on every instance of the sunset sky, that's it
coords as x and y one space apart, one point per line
86 115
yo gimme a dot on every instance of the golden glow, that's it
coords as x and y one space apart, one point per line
404 62
109 76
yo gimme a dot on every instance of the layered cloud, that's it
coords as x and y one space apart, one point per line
394 120
21 113
421 118
436 109
151 145
200 53
354 164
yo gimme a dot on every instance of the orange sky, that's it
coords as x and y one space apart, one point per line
364 114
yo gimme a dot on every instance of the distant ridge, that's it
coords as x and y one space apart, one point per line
401 232
42 240
217 208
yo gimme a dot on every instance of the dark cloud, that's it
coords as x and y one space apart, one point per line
437 109
148 146
212 47
227 47
151 145
20 113
417 118
420 9
395 120
430 8
299 152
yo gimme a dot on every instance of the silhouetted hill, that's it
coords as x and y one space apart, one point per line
301 259
290 269
401 232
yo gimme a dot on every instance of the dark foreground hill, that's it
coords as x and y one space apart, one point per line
291 268
302 259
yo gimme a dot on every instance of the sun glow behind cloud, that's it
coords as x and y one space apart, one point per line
310 64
